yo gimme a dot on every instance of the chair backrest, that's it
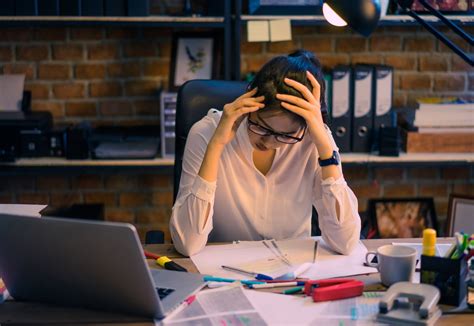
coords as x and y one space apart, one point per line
195 98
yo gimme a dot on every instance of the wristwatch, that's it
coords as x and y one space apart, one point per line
333 160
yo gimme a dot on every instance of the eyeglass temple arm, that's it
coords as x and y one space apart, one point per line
437 34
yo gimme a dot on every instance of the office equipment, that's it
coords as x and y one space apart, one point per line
429 242
167 263
363 110
460 217
341 108
101 266
315 250
383 114
395 306
208 278
257 276
11 92
333 289
168 123
296 289
441 249
277 285
389 141
76 142
470 286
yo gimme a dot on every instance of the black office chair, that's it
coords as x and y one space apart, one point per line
195 98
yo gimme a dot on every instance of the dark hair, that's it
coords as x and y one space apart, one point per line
269 79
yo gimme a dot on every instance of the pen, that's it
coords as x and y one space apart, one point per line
167 263
315 250
257 276
276 285
293 290
208 278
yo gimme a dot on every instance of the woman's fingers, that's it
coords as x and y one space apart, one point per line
296 101
295 109
302 89
316 86
250 93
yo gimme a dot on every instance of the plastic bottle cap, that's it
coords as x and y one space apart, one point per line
429 242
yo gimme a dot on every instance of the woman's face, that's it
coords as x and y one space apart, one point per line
279 123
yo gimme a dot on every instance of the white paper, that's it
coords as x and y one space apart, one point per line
280 30
253 254
11 92
258 31
20 209
279 309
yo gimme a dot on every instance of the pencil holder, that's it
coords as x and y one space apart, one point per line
448 275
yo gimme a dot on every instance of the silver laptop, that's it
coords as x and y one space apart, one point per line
98 265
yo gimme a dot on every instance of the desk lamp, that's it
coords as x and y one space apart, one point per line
363 16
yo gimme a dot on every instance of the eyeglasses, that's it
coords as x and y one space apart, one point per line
282 138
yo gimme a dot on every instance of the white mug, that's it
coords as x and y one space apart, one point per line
395 263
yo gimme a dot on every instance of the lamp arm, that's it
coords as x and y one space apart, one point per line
440 36
449 23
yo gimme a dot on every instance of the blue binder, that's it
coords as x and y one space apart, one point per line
341 114
362 108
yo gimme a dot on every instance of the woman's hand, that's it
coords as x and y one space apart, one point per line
309 108
233 115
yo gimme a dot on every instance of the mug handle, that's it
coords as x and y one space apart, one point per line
368 261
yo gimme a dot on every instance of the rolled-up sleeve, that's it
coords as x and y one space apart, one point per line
191 218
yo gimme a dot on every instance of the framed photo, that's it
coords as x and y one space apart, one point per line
455 7
285 7
193 56
460 214
401 217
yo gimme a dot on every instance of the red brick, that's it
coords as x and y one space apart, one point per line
351 44
399 190
68 52
70 90
441 207
356 173
251 47
451 173
164 48
20 68
464 189
56 109
401 62
38 91
458 64
445 82
389 174
54 71
388 43
283 47
471 82
81 109
7 199
433 63
122 33
400 99
255 63
417 81
155 181
16 183
423 173
85 34
50 34
156 68
366 58
31 52
120 215
433 190
139 49
52 183
120 182
105 89
164 33
146 107
128 69
6 53
318 45
115 108
105 198
65 199
151 215
133 199
419 44
102 51
163 198
86 181
33 198
367 190
90 71
142 88
15 34
460 42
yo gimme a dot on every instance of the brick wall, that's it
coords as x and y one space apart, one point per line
111 76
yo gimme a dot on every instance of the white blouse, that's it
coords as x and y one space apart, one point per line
247 205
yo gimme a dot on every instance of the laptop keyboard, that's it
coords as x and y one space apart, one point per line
163 292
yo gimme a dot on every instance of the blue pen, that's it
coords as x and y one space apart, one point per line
208 278
257 276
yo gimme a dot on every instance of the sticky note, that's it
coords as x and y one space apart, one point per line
258 31
280 30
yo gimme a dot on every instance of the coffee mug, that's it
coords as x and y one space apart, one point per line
395 263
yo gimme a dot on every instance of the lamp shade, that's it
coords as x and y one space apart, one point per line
361 15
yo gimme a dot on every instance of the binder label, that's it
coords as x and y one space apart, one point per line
340 99
384 92
362 93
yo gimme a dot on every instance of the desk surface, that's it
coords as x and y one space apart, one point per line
24 312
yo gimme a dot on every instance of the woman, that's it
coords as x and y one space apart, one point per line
253 171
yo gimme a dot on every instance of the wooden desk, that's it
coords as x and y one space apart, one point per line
27 313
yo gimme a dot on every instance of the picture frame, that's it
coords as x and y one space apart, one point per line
285 7
401 217
193 56
450 7
460 217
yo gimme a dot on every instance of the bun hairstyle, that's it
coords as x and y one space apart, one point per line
270 80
